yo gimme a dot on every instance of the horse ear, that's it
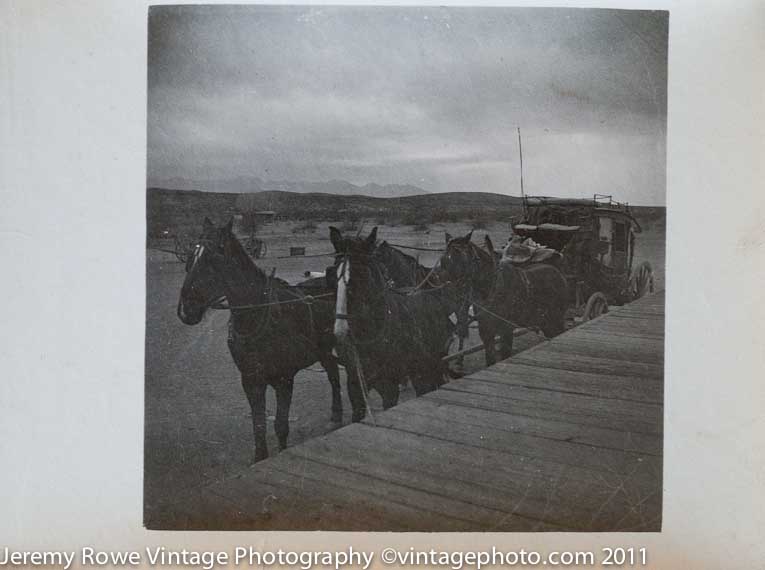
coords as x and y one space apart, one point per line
336 237
448 237
207 223
372 237
469 235
489 245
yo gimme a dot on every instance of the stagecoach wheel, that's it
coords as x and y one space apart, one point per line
642 281
596 306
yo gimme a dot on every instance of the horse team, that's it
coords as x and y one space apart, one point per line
378 312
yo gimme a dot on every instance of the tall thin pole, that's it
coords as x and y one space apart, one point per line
520 153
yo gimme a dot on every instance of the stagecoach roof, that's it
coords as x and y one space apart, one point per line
547 227
550 201
598 204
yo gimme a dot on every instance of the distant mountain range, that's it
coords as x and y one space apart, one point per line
250 184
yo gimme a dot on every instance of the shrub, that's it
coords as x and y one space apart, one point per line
417 220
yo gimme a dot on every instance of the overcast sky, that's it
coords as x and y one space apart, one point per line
424 96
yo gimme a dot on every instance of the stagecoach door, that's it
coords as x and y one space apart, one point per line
614 238
605 235
619 247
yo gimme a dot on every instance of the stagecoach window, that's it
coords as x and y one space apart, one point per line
620 237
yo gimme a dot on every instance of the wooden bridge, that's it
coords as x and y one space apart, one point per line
564 436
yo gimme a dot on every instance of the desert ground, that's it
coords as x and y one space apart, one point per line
197 420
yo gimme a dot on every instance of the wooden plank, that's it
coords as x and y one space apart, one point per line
596 413
640 309
579 408
625 317
626 335
594 336
545 429
541 355
624 326
518 444
356 498
587 404
632 339
298 498
525 487
600 385
638 351
435 509
643 314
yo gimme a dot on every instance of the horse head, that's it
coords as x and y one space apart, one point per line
354 267
466 264
202 286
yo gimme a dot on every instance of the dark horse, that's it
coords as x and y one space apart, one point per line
504 295
395 334
275 330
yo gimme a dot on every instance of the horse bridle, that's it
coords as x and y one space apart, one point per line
343 263
346 257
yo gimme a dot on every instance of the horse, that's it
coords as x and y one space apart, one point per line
274 331
504 295
394 333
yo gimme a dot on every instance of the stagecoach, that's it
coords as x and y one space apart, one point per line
597 239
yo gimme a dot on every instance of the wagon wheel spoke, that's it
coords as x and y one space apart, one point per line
597 305
643 281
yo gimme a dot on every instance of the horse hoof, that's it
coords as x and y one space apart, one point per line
336 419
356 418
259 456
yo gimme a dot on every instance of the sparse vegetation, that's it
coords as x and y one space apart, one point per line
350 222
418 220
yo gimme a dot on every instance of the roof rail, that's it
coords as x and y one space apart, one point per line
607 201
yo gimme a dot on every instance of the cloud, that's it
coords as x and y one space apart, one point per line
428 96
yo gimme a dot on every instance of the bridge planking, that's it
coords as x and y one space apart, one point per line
564 436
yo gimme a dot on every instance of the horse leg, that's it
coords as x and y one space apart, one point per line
283 402
255 389
556 323
356 396
389 393
353 385
329 363
487 332
506 342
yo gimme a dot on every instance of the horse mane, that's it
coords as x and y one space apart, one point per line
414 270
408 258
240 255
482 253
